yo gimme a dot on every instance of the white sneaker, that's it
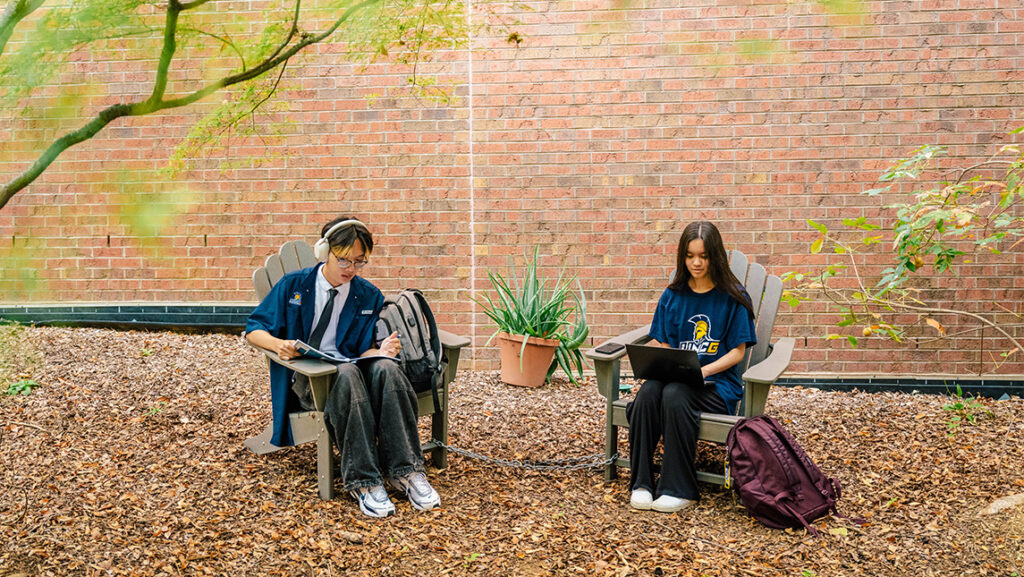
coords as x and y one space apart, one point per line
670 504
373 501
422 496
641 500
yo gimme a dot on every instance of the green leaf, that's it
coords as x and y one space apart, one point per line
860 223
816 246
852 340
22 387
876 191
819 227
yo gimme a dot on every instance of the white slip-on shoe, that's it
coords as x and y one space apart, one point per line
670 504
422 496
373 501
641 499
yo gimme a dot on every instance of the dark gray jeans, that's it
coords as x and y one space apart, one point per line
371 417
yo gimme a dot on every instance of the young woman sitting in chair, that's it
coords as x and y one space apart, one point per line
707 310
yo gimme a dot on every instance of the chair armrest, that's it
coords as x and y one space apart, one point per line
636 336
450 340
770 369
309 367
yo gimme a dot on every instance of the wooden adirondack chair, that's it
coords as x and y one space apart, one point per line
762 366
308 426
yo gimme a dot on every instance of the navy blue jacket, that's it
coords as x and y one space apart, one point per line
287 313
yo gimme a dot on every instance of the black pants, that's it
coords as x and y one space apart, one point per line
371 417
671 411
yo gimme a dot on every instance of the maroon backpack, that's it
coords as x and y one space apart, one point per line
778 483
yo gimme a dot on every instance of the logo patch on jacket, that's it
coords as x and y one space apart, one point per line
296 299
366 312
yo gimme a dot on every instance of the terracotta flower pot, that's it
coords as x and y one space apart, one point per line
535 359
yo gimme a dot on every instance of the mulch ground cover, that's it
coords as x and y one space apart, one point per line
128 460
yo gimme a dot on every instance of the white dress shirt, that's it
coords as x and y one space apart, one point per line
329 342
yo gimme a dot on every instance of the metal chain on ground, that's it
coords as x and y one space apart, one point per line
570 464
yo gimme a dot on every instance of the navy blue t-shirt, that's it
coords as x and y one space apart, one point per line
711 324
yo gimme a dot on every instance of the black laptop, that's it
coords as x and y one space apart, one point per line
665 365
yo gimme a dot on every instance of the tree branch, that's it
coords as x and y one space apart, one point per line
15 12
156 102
965 171
291 32
248 113
223 40
167 52
84 133
924 309
933 310
268 64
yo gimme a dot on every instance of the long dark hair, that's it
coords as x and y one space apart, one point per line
718 263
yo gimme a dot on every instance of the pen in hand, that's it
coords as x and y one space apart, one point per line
391 345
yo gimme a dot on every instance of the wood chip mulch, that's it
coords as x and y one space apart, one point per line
128 460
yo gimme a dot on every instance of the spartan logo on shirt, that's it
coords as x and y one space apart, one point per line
702 344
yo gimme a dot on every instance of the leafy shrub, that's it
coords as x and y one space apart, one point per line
944 225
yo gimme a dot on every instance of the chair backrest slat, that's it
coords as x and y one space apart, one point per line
293 255
261 282
755 286
289 258
766 317
738 264
275 270
765 291
305 254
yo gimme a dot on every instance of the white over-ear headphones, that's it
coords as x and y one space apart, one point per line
323 246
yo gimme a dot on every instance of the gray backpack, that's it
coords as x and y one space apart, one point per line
421 358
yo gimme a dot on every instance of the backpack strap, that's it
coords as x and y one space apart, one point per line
428 336
429 332
390 326
821 483
799 517
383 318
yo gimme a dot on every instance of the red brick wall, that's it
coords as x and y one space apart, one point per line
598 137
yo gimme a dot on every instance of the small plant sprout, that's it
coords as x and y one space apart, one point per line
964 409
470 559
22 387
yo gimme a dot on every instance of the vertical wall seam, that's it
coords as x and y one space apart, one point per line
472 189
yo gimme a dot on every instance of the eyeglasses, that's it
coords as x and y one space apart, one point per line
345 263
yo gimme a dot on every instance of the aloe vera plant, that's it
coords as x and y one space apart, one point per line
533 309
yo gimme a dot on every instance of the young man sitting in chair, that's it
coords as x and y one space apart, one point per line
370 411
